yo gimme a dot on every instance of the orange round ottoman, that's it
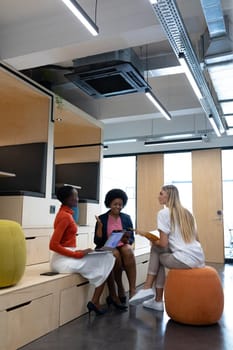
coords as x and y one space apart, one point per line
194 296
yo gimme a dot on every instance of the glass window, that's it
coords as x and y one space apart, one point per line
178 172
120 172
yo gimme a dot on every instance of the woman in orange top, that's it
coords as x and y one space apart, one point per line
68 259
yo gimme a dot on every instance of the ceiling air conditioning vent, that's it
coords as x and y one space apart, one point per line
108 78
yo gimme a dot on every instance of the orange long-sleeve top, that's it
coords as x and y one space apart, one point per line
64 234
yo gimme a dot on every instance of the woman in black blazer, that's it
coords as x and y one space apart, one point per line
113 219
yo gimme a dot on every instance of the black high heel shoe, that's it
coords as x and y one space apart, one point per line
91 307
110 301
123 299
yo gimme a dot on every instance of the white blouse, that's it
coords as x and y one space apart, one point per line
191 253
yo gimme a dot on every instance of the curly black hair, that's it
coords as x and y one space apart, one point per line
113 194
63 193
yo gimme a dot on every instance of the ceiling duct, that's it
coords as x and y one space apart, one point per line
172 23
110 74
216 38
213 13
216 50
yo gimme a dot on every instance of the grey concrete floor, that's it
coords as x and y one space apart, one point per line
142 329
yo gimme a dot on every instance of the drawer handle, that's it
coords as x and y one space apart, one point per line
33 237
82 284
144 262
18 306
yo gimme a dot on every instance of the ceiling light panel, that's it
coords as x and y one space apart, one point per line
222 78
227 106
229 120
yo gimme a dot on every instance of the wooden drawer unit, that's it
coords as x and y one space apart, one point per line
74 300
37 249
142 266
25 322
141 272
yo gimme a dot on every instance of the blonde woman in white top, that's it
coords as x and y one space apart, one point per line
177 248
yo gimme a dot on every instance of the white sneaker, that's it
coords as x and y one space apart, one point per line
141 295
153 304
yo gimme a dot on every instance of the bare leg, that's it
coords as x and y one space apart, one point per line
129 263
150 279
97 294
118 269
111 285
159 294
113 276
155 274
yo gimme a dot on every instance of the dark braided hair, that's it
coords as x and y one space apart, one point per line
113 194
64 192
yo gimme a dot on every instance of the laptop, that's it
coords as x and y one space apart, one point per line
111 243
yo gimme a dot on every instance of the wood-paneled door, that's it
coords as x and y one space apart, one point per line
208 202
150 178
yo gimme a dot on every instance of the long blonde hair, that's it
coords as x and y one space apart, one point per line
179 215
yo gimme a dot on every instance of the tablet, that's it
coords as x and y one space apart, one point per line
99 252
113 240
111 243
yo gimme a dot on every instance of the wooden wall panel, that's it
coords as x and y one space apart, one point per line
24 123
150 178
75 127
77 155
207 200
24 112
68 135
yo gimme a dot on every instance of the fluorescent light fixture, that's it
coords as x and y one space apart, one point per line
214 125
172 142
178 136
221 128
77 187
78 11
190 76
157 104
110 142
153 2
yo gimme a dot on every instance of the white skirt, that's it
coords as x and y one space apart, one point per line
95 268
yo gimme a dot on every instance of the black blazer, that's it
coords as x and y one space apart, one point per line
126 224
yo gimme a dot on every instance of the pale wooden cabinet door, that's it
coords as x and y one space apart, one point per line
208 203
150 177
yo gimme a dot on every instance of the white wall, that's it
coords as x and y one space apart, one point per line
197 124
